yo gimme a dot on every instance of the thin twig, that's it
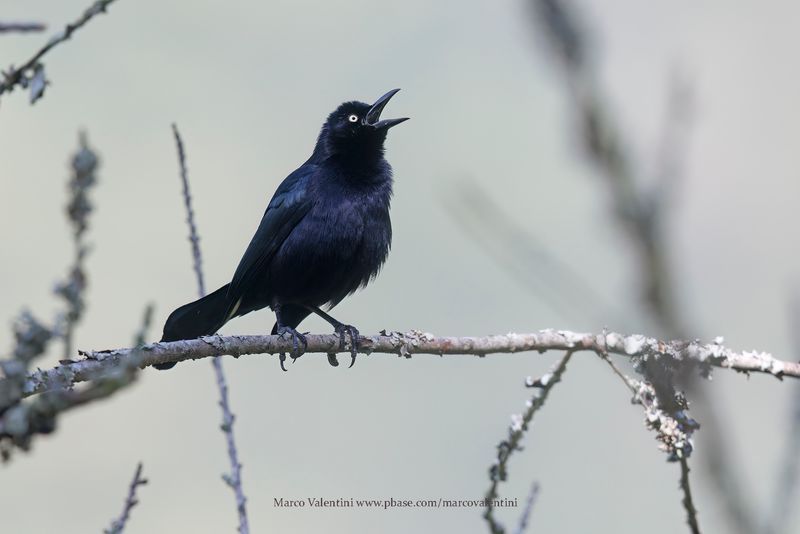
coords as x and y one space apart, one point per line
676 127
21 27
524 518
521 253
234 478
519 426
118 526
140 338
194 239
688 503
788 476
24 74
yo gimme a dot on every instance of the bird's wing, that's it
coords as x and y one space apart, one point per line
288 206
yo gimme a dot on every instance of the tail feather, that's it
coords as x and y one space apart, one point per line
202 317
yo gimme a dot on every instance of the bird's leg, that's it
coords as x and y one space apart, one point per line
343 330
297 339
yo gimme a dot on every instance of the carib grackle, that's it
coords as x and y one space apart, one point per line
325 233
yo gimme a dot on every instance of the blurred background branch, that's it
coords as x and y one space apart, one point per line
31 74
20 421
642 215
525 516
79 207
21 27
787 477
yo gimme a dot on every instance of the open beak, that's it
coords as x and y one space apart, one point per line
374 114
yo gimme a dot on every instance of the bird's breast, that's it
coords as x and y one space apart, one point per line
338 246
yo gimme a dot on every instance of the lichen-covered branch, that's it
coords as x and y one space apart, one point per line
20 421
118 525
520 423
31 73
79 207
636 346
234 478
673 429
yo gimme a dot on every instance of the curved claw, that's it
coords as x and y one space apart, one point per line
332 359
351 331
297 339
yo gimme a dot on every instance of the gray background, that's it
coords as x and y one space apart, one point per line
249 84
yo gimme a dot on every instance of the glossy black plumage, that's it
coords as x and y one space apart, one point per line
325 233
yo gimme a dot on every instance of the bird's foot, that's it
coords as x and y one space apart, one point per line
297 340
351 332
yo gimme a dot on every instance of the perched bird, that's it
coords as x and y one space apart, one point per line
325 233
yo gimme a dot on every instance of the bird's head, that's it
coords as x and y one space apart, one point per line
356 128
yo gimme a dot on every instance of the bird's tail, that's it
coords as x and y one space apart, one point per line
202 317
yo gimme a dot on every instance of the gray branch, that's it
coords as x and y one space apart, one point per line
779 514
520 423
688 502
96 362
118 526
234 478
525 516
32 71
673 431
21 27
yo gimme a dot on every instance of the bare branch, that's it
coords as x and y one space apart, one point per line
31 73
688 503
21 27
524 518
788 476
519 425
636 347
194 239
118 526
234 478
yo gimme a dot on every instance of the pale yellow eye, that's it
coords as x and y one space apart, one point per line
353 118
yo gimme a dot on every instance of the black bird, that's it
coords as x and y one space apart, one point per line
325 233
